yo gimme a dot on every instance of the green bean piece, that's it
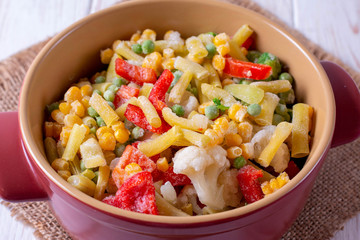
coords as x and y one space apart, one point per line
287 97
93 130
109 95
254 109
239 162
286 76
148 46
277 119
137 48
95 179
82 166
88 173
178 110
113 88
83 184
100 122
53 106
100 79
211 112
210 47
119 81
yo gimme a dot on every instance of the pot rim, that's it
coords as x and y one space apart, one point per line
39 159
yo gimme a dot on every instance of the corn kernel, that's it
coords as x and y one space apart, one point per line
221 39
101 130
195 59
234 152
58 116
107 141
162 164
72 119
233 110
245 151
49 129
148 34
227 81
275 184
132 168
106 55
65 174
89 121
72 94
64 135
77 108
117 125
122 135
168 34
202 107
60 164
218 63
65 107
168 63
214 136
221 123
223 49
245 131
168 53
85 101
135 37
86 90
153 60
233 139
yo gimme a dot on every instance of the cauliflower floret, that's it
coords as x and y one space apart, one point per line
188 101
259 142
203 167
231 194
168 192
188 195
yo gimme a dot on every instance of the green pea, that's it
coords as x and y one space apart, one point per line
286 76
254 109
92 112
128 125
98 92
148 46
281 109
82 165
212 33
93 130
111 105
210 47
137 132
113 88
290 112
109 95
288 97
211 112
119 81
253 56
136 48
178 110
277 119
53 106
287 117
100 79
245 82
100 122
119 149
239 162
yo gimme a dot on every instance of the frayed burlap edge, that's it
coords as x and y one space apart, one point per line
326 211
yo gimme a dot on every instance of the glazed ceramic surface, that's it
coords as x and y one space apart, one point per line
74 53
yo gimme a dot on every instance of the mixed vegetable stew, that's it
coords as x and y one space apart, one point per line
180 127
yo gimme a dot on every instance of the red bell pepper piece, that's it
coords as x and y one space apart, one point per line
135 115
249 183
125 93
248 42
133 73
292 169
174 178
241 69
131 155
137 194
157 94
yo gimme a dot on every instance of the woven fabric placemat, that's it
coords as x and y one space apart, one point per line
335 197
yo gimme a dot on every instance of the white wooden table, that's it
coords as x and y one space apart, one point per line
333 24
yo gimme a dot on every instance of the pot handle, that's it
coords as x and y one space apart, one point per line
347 100
17 180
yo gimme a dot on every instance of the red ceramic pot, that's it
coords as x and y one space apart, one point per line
26 175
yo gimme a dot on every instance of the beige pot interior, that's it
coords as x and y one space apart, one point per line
75 53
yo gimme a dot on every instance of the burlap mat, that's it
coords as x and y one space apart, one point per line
334 199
